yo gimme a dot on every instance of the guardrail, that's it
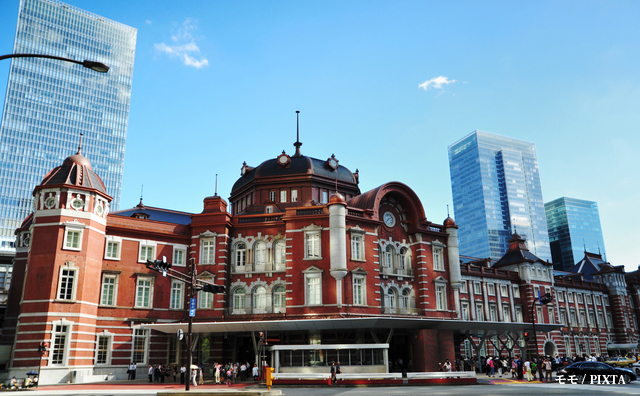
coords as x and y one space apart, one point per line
302 376
445 374
369 376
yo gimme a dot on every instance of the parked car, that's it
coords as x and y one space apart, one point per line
636 368
582 369
620 361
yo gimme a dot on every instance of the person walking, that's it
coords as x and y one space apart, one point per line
183 371
256 372
333 373
150 373
243 372
131 371
548 370
194 377
175 373
527 367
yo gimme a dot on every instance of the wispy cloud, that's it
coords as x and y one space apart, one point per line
183 46
436 82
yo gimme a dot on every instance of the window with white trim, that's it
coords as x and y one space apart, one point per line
438 258
464 310
103 349
441 297
177 294
572 317
312 245
280 254
504 291
359 289
112 250
146 252
563 316
268 209
560 296
240 256
272 196
516 291
477 288
506 313
389 256
294 195
391 298
283 196
596 343
140 346
519 317
464 288
144 292
601 319
491 289
59 346
67 283
179 256
108 289
539 315
357 246
479 312
552 315
205 300
567 345
609 320
259 296
313 288
207 251
279 299
72 239
580 298
570 297
493 312
239 300
260 251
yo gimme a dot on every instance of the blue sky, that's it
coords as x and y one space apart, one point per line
386 87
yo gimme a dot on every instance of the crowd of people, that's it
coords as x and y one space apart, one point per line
228 374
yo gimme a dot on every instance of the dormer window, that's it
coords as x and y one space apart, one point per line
142 216
269 209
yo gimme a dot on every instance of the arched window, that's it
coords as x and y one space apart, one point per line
261 255
391 299
279 299
239 299
405 259
405 301
259 299
280 255
389 256
241 256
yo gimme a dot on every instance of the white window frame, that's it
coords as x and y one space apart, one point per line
149 287
464 288
268 209
567 345
76 244
506 313
464 311
516 291
441 296
359 284
66 272
570 297
491 289
519 316
312 287
113 285
63 329
205 300
504 291
438 258
279 299
239 297
109 347
479 312
313 243
283 196
179 256
259 299
294 195
260 255
177 295
552 315
280 254
140 338
563 317
560 296
108 252
477 287
272 196
493 312
239 257
146 251
208 251
357 246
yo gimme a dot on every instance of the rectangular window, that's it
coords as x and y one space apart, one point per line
112 251
560 296
592 318
59 347
539 315
477 288
506 314
567 345
563 316
570 297
596 344
294 195
516 291
464 288
312 242
572 317
357 252
438 260
504 291
609 320
580 299
283 196
479 312
108 290
147 252
179 255
583 318
176 295
606 300
67 284
140 344
464 307
493 312
441 297
102 352
272 196
588 299
601 319
72 239
597 300
314 289
205 299
207 251
143 292
519 314
536 292
325 196
358 290
552 315
491 289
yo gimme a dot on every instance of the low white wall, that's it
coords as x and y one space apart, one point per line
327 369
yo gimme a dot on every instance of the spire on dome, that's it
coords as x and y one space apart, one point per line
297 144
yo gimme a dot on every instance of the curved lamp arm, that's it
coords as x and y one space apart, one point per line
96 66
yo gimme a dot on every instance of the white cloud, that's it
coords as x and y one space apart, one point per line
184 46
436 82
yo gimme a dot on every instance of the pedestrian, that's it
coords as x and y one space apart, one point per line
235 372
163 373
256 372
217 372
243 372
150 373
446 366
156 373
200 376
492 367
183 371
229 375
338 371
194 377
175 373
131 371
527 367
333 373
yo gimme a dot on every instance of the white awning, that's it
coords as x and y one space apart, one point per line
456 326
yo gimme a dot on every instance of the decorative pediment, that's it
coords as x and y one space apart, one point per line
312 270
359 271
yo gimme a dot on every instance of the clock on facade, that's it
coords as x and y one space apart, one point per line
332 162
283 159
389 219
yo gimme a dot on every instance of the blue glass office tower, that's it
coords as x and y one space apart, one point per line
574 228
496 192
49 103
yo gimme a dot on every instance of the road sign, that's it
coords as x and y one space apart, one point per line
192 307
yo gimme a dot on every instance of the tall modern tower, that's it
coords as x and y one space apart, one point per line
574 228
49 103
496 192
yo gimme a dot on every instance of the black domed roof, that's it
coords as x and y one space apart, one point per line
300 165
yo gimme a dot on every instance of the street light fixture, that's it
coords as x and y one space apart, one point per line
95 66
544 300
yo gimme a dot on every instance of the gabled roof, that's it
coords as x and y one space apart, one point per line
518 253
589 265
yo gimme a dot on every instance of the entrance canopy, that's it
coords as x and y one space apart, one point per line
456 326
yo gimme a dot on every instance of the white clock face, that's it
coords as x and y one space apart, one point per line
283 159
389 219
333 163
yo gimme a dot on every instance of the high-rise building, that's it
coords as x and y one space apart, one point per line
574 228
496 192
49 103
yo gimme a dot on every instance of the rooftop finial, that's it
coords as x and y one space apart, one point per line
448 210
297 144
216 192
584 245
80 145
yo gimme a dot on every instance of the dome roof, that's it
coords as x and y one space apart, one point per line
300 165
76 170
449 222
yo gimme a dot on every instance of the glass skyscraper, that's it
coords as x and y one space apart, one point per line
49 103
574 227
496 192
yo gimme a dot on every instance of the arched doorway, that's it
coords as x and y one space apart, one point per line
550 349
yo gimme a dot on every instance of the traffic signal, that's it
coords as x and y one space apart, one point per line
526 336
546 299
208 287
42 348
161 265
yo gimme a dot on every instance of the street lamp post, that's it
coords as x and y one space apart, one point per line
544 300
195 285
95 66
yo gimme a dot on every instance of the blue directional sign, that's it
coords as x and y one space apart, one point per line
192 307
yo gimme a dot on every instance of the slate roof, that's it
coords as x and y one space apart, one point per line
156 214
589 265
518 253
